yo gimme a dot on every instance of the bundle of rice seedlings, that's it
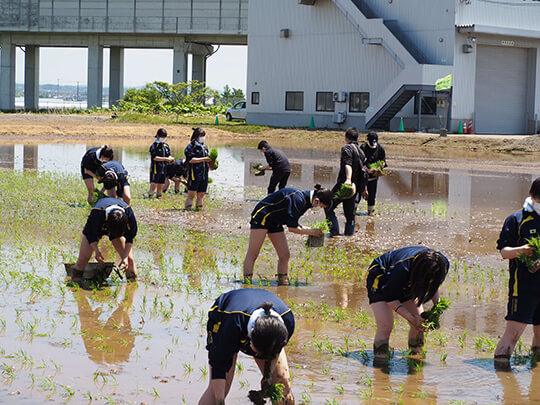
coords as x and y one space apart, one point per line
432 316
213 154
257 169
274 392
344 192
533 261
379 165
323 225
98 195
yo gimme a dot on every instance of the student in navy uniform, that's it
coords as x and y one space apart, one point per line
91 161
374 152
257 323
352 171
524 284
160 155
112 217
278 163
177 173
197 158
283 207
114 178
401 281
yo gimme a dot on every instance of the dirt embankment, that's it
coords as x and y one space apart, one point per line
39 127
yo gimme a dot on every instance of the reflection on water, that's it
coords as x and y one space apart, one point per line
108 338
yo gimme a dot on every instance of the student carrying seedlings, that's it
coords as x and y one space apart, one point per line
160 155
524 284
257 323
177 173
278 163
401 281
112 217
352 171
198 166
376 159
114 178
283 207
90 163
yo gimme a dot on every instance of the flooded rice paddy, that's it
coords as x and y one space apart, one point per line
145 343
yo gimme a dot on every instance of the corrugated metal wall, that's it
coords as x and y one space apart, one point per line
519 14
323 53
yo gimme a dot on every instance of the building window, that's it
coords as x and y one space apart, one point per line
429 105
294 100
255 97
325 101
358 102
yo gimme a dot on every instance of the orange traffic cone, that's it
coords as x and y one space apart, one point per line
465 129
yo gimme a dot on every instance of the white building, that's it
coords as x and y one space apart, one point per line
363 63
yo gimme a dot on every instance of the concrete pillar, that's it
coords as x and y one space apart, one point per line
95 73
31 77
7 73
116 76
179 61
198 68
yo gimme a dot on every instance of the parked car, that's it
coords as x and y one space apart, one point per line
237 112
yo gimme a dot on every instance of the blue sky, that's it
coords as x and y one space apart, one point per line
69 66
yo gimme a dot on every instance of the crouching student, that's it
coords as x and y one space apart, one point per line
112 217
257 323
401 281
90 163
114 178
282 207
177 173
524 283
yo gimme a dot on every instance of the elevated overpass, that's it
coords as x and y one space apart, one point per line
185 26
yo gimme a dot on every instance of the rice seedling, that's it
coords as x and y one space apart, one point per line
432 316
345 191
533 261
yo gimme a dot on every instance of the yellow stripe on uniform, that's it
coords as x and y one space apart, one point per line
276 203
376 282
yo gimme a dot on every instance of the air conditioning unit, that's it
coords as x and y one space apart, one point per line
307 2
339 117
340 96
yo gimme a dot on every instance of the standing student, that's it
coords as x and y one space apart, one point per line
401 281
114 218
90 163
198 166
352 172
257 323
278 163
160 155
283 207
177 173
114 177
374 152
524 284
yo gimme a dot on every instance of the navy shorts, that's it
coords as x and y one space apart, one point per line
524 300
374 295
84 175
200 186
158 178
270 229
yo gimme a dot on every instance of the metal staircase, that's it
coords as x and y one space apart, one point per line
381 119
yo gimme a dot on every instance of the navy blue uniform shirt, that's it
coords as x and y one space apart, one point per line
116 167
517 228
278 161
197 171
227 325
283 207
177 169
159 149
373 155
352 155
90 160
391 273
96 227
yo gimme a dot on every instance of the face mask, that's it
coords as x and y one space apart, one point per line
536 207
161 140
201 139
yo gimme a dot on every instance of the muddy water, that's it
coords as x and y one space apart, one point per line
145 343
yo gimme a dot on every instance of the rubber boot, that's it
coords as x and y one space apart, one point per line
416 345
381 350
371 210
334 225
283 279
77 276
349 228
